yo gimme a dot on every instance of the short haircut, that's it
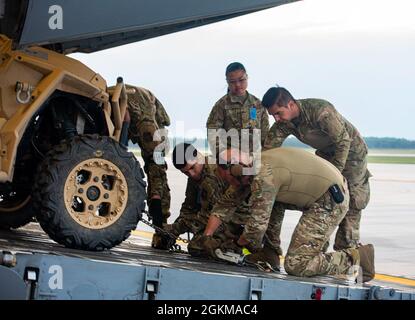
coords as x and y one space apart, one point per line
182 153
234 66
276 95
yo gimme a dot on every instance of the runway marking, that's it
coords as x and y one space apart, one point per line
395 279
147 234
379 277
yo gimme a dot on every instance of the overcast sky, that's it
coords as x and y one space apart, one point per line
358 54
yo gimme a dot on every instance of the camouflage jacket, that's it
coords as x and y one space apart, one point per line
203 194
321 126
147 115
232 112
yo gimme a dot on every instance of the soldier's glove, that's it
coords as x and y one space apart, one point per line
210 244
162 241
155 212
230 235
231 245
195 246
251 246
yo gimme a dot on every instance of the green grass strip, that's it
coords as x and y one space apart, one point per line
391 159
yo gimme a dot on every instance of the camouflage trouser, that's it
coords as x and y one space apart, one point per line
305 255
357 175
158 186
272 237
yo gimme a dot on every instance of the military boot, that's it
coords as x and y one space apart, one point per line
367 262
266 254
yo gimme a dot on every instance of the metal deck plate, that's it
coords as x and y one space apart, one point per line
136 251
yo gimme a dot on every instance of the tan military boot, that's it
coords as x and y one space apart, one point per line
367 262
266 254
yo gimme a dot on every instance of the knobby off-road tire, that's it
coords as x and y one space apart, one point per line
16 210
89 193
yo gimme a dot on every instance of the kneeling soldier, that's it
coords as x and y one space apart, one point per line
299 179
203 190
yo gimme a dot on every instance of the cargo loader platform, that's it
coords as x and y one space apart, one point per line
134 271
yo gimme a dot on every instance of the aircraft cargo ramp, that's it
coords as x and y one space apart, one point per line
134 271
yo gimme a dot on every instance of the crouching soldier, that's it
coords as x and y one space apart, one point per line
204 188
300 179
148 119
317 123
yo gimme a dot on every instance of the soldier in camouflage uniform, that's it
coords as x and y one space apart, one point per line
302 180
317 123
238 119
237 110
203 190
147 116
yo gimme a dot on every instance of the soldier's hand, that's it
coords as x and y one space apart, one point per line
231 245
169 228
169 240
228 234
210 244
162 241
242 241
252 247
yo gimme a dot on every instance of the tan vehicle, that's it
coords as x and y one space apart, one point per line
61 160
57 116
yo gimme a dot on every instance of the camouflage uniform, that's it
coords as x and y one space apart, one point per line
233 112
298 179
338 141
148 115
200 198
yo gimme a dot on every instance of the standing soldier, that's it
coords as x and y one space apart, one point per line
238 110
147 117
317 123
296 178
